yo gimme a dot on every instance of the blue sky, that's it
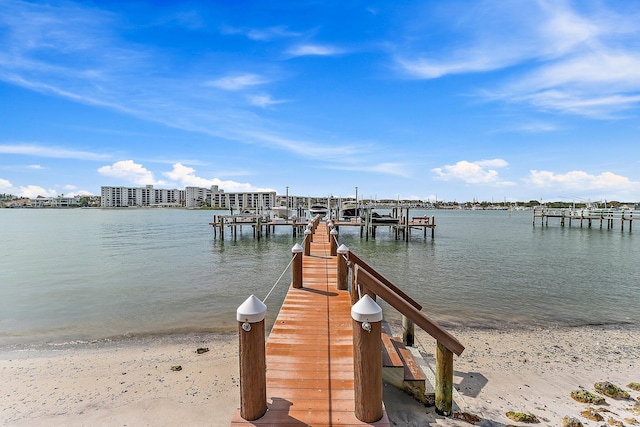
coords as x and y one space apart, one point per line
459 100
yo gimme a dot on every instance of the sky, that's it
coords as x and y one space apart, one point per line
432 100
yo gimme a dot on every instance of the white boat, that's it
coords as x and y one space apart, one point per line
281 211
349 210
318 210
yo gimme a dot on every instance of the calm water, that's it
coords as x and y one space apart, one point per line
87 274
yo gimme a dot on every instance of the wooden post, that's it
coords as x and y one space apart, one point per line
444 380
367 359
296 266
342 282
307 241
407 331
433 227
333 237
253 367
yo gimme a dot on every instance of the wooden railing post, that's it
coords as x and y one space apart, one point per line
444 380
253 367
307 241
296 266
333 237
367 359
343 269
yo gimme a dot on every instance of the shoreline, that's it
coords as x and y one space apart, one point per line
131 381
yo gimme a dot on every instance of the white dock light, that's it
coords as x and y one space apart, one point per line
252 310
296 249
343 249
366 311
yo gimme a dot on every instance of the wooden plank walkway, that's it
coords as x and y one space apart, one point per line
310 352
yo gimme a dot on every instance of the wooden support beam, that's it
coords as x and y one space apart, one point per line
444 380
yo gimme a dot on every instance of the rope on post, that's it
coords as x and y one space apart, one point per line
278 281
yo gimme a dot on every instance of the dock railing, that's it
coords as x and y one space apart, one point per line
366 280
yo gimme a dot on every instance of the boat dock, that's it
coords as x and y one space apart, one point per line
588 217
322 364
260 226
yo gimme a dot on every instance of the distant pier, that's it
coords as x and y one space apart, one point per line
587 217
399 222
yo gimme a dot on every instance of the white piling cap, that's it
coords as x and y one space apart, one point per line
342 249
308 231
333 232
296 248
366 310
252 310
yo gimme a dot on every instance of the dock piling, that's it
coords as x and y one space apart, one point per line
444 380
367 359
296 266
343 268
253 367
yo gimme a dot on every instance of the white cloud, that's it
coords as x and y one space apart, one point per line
127 170
5 185
580 180
79 193
33 191
35 167
314 50
264 34
187 177
271 33
237 82
264 101
29 191
478 172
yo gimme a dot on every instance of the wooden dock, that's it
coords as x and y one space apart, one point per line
402 228
309 352
588 217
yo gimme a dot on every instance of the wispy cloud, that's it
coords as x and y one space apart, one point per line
237 81
53 152
389 168
46 54
478 172
581 61
264 101
314 50
262 34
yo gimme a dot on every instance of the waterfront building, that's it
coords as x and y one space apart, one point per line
190 197
119 197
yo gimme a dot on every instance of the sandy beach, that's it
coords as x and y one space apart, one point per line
132 382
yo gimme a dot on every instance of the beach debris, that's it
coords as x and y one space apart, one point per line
585 396
201 350
176 368
592 413
568 421
635 409
611 390
634 386
615 423
465 416
631 421
522 417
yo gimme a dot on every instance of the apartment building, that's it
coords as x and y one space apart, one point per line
191 197
119 197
